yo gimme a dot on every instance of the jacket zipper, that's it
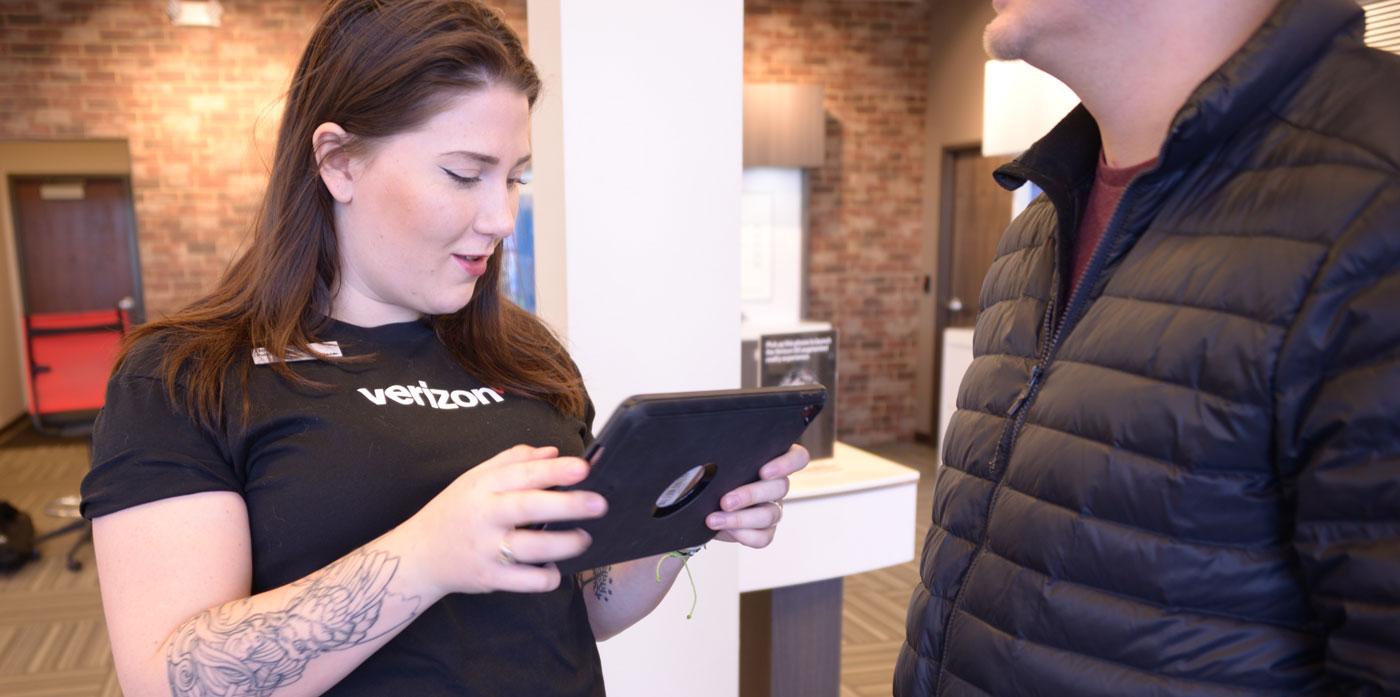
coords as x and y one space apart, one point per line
1073 308
1021 405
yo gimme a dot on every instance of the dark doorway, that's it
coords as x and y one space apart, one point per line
77 244
975 212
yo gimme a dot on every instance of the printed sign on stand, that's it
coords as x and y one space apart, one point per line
804 358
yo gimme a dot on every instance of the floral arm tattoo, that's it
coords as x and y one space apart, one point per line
602 583
231 651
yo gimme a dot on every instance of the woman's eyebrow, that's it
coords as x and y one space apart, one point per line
486 159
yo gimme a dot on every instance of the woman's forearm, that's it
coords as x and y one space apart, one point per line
620 595
299 639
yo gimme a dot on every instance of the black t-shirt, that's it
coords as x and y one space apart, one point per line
325 471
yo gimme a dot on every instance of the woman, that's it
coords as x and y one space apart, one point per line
307 482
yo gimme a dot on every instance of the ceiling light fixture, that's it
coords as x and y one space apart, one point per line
198 13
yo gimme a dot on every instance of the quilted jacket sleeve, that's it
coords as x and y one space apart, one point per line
1339 426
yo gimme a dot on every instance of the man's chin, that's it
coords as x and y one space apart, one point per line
1001 43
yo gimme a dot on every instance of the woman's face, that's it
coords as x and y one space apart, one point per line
417 216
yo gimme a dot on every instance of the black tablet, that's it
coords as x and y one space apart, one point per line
664 460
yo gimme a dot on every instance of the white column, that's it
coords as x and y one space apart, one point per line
637 180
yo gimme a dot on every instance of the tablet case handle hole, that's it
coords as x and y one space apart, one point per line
683 490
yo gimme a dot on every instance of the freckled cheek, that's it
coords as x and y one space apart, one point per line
414 233
402 203
428 221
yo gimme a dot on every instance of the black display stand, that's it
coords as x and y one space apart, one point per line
790 641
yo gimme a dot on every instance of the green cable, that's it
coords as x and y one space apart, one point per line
685 564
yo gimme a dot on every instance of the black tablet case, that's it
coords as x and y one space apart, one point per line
654 439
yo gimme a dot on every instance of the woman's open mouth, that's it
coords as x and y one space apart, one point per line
473 265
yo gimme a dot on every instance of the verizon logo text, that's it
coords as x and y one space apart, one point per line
425 396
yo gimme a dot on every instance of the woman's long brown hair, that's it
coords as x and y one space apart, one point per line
376 68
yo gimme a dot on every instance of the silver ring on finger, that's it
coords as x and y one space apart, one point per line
504 553
779 504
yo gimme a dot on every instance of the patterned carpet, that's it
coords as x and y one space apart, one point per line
875 602
53 641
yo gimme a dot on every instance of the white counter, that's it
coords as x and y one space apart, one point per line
850 513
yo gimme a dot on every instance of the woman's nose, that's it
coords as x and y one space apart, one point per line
496 217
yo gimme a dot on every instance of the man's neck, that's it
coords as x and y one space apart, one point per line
1136 80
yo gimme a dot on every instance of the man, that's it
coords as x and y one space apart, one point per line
1175 466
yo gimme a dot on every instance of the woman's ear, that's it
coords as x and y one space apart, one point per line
328 143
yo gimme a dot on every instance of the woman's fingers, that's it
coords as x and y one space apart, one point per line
514 508
791 461
517 454
757 539
462 537
753 494
524 558
534 473
541 547
527 578
772 484
764 515
749 514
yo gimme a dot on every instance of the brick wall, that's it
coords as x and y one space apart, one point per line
866 205
198 106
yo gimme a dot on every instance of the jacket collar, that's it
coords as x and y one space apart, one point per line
1263 71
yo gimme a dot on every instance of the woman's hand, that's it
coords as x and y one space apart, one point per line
469 539
749 514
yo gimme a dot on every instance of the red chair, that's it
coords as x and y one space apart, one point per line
70 357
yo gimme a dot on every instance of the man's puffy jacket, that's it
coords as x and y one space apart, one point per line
1186 480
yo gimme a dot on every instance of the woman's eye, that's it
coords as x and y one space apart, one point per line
465 181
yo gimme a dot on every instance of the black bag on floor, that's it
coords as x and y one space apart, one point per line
16 537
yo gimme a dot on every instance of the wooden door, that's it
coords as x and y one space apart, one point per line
975 212
980 212
77 243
